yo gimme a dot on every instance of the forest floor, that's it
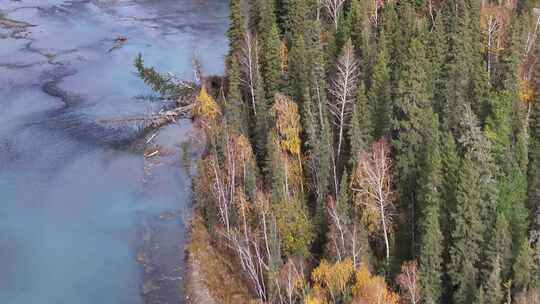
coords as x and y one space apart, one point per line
210 276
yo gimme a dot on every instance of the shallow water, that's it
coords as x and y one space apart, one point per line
73 195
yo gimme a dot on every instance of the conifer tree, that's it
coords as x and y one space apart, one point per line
480 297
467 235
404 28
285 10
480 84
271 47
522 267
437 49
507 73
493 287
413 117
234 107
235 33
320 141
357 22
379 92
361 128
272 61
431 237
298 70
301 18
500 130
535 244
499 250
362 36
343 32
457 69
450 165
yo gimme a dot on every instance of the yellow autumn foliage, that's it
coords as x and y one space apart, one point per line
205 106
525 91
313 300
372 289
244 152
287 119
333 277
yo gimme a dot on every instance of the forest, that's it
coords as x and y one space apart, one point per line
375 152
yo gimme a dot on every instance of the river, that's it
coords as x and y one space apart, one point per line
78 200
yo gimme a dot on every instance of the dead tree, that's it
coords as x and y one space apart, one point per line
151 120
333 8
239 237
408 282
289 282
249 60
343 89
372 181
345 236
251 260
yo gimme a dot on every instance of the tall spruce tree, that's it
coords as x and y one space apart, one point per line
261 120
234 107
467 235
429 196
493 287
498 251
399 37
237 24
437 49
450 165
379 93
271 48
298 70
457 75
523 266
479 87
361 127
506 76
413 116
319 143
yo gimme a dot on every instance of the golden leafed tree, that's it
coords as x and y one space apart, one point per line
287 120
286 138
206 107
333 279
372 289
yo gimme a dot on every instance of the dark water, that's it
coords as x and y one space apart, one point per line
74 194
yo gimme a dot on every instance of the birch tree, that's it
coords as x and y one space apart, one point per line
249 61
343 89
409 283
372 181
333 9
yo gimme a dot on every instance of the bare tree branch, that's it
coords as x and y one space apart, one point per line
343 89
372 180
333 8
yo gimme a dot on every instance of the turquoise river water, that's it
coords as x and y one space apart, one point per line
77 200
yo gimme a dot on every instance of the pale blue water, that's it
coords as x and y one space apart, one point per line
71 198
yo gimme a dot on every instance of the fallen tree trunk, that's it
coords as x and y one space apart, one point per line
154 120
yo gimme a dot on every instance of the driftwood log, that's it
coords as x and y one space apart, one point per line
154 120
